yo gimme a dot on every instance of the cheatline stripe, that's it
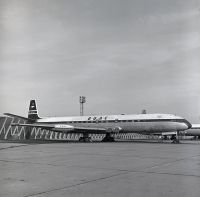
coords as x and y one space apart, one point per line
122 121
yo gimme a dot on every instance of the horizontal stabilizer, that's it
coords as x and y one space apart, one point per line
33 125
16 116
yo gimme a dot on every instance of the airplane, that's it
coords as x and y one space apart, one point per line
193 131
105 124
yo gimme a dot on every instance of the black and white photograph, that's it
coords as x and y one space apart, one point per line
99 98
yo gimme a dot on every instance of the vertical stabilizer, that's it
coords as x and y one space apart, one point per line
33 113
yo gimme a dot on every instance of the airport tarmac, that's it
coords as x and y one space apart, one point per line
116 169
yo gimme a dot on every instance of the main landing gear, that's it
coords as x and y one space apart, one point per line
85 138
108 138
175 138
165 137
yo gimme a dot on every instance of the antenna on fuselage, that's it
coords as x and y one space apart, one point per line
144 111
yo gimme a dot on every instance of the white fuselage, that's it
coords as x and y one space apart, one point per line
193 131
141 123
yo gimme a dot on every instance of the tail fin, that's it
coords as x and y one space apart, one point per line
33 113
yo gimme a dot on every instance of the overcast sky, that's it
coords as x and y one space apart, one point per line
123 55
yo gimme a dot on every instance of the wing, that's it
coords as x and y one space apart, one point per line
92 130
63 128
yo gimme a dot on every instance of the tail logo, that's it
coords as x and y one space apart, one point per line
32 106
32 114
